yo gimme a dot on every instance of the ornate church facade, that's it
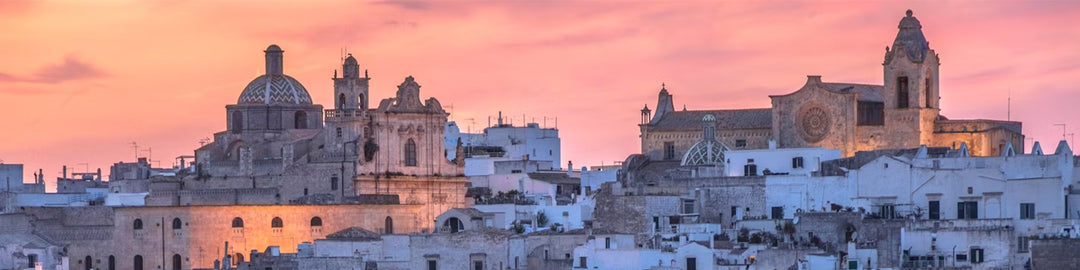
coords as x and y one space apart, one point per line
903 112
280 148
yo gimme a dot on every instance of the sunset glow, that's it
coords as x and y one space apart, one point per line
81 81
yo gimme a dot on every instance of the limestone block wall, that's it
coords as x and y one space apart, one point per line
203 231
433 195
815 116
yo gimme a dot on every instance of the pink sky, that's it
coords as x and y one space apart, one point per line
80 81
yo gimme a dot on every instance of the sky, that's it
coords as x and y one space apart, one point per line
80 82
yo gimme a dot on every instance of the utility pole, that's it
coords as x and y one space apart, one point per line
1062 130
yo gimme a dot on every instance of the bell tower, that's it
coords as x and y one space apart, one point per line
351 90
911 86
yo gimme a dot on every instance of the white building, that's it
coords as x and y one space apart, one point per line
529 142
790 161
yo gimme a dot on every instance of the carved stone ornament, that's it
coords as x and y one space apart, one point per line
813 123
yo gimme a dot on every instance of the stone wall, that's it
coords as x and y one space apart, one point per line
204 230
1055 254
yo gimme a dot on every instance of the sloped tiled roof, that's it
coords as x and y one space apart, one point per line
355 234
725 120
867 92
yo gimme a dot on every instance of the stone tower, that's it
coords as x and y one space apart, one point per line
350 104
911 86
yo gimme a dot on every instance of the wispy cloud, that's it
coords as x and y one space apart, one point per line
71 69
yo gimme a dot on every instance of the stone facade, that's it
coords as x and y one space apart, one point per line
198 233
901 113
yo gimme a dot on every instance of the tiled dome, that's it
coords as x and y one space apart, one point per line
274 88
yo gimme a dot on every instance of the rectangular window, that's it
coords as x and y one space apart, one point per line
1022 244
778 212
901 92
584 262
31 260
432 265
797 163
669 150
338 132
688 207
887 211
691 263
929 87
853 265
740 143
961 257
607 242
1027 211
871 113
656 223
976 255
967 210
333 183
935 210
750 170
478 265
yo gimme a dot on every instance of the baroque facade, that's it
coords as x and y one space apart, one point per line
277 142
901 113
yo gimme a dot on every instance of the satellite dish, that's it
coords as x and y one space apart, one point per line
795 220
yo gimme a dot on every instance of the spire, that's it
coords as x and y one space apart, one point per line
910 39
274 60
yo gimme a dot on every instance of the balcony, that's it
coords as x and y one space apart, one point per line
961 225
342 114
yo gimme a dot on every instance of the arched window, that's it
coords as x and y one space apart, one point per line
316 221
137 225
237 223
929 89
360 101
341 102
112 262
389 225
410 153
176 261
137 264
453 225
237 121
300 120
177 224
276 223
89 264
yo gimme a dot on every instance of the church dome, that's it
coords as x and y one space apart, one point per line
705 152
270 89
274 87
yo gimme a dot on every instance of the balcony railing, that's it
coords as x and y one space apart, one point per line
341 113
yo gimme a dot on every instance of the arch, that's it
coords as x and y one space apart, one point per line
233 152
112 262
137 225
89 263
316 221
276 223
454 225
177 224
176 262
237 121
341 102
360 101
410 153
239 259
137 263
300 120
389 225
237 222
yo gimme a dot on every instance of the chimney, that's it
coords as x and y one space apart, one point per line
570 168
65 172
813 79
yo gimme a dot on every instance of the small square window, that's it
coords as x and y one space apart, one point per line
740 143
